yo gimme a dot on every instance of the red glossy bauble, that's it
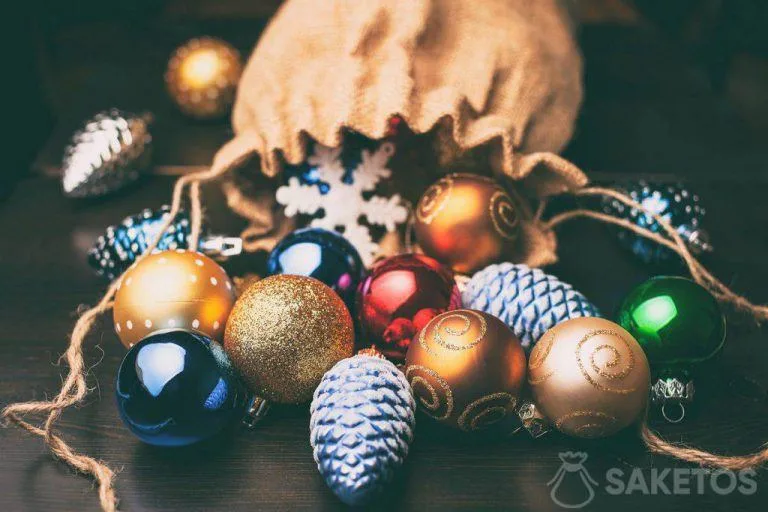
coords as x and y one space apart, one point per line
399 297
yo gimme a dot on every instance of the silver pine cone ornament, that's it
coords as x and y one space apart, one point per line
528 300
111 150
361 427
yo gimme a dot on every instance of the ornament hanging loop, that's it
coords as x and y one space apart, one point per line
673 418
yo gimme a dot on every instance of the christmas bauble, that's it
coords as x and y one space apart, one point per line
110 151
172 290
528 300
324 255
361 427
399 296
589 377
675 203
202 77
679 324
176 388
284 333
675 320
466 221
466 369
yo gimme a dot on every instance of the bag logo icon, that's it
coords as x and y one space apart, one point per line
573 464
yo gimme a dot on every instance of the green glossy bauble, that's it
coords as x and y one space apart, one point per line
675 320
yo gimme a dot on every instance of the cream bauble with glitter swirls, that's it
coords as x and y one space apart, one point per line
589 377
173 289
284 333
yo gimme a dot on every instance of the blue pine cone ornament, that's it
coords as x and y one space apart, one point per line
528 300
361 427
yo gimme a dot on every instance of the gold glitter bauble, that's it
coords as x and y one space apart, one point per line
202 77
284 333
172 290
466 221
589 377
466 369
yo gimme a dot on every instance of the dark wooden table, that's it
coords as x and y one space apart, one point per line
646 114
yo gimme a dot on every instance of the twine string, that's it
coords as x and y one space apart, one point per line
733 462
672 241
232 154
702 276
74 389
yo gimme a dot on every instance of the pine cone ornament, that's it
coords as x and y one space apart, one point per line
111 150
674 203
527 299
120 245
361 427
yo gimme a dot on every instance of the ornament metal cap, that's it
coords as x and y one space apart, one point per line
672 391
257 411
698 240
221 246
532 420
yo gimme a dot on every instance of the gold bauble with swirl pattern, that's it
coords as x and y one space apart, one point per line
466 369
466 221
589 377
284 333
174 289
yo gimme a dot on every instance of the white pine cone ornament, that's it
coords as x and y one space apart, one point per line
528 300
361 427
111 150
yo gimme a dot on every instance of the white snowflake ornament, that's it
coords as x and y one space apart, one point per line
341 200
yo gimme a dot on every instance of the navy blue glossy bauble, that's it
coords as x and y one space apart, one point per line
322 254
176 388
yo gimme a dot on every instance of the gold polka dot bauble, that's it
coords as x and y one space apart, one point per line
202 77
172 290
466 369
284 333
466 221
589 377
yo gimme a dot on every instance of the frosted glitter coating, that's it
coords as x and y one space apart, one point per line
284 333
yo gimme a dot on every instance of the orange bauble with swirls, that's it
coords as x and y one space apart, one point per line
173 289
466 221
589 377
466 369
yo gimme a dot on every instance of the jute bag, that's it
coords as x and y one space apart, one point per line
500 74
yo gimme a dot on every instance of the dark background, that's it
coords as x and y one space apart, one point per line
674 90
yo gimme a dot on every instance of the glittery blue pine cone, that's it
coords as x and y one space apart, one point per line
528 300
361 427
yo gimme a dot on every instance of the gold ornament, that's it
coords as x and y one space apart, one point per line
172 290
466 369
466 221
202 77
284 333
589 377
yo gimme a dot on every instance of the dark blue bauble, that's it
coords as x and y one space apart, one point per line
324 255
176 388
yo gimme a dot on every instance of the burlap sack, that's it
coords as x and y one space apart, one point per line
504 73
